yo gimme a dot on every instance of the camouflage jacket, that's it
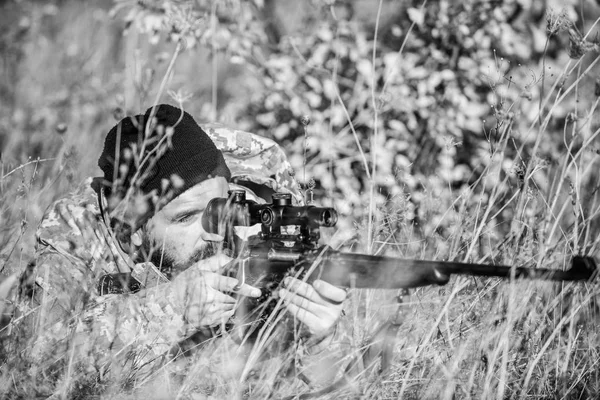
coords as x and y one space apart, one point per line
75 247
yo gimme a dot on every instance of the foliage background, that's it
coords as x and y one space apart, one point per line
439 130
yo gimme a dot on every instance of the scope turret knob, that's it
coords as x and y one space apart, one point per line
282 199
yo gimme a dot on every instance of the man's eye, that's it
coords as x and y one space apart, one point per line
184 218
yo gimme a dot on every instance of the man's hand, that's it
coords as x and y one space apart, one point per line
317 306
200 293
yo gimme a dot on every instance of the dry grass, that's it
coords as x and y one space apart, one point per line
474 338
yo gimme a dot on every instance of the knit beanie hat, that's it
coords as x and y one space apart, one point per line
157 156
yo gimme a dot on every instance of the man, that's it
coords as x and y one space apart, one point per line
126 277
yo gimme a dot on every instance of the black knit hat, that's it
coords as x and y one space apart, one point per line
177 154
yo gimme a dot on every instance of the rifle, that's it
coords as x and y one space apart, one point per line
288 245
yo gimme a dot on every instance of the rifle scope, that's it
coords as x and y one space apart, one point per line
282 212
238 211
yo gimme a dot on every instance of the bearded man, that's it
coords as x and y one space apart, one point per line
125 275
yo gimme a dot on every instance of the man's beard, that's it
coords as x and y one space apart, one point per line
165 261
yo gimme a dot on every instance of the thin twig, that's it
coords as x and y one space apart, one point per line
375 136
36 161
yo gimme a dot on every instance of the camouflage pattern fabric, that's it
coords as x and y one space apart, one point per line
255 159
131 335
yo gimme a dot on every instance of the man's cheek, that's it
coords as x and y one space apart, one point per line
181 250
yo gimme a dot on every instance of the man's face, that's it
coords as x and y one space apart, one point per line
174 237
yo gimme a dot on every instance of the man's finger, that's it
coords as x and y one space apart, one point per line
228 284
213 308
205 292
319 292
332 293
219 308
302 302
217 319
220 297
304 316
302 289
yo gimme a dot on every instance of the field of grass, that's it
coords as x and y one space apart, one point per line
530 198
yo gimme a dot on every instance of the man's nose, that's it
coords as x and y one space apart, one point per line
210 237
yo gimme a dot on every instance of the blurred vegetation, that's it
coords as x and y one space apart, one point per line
438 129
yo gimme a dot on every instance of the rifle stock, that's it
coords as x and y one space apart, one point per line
265 268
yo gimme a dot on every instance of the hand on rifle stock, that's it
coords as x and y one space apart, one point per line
317 306
202 294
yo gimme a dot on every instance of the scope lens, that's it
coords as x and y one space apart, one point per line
328 218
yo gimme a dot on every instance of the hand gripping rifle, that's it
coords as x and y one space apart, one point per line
288 245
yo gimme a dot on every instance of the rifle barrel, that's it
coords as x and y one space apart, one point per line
367 271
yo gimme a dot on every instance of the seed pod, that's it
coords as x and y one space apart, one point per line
61 128
118 113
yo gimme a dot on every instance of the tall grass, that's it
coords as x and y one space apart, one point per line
474 338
